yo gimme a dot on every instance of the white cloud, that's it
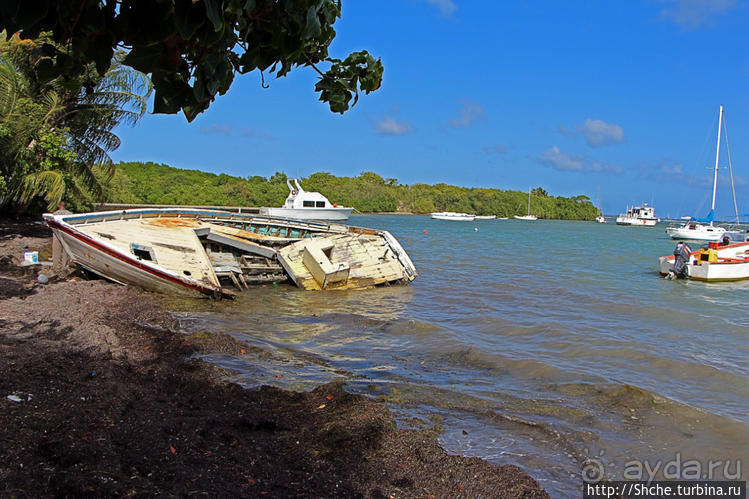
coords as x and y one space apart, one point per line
496 149
256 134
599 133
388 126
668 172
469 113
561 161
222 129
693 14
446 7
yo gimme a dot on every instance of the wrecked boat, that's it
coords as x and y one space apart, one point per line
216 253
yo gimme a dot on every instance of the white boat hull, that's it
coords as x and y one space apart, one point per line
308 213
732 265
698 233
641 222
525 217
109 262
460 217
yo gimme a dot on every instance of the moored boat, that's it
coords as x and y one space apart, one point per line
485 217
451 215
643 216
307 205
715 263
528 217
703 229
204 252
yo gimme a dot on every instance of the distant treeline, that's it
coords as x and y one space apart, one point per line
150 183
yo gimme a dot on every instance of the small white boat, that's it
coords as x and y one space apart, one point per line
528 216
696 229
485 217
717 263
306 205
451 215
203 252
600 219
643 216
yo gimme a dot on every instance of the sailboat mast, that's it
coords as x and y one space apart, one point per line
529 200
717 155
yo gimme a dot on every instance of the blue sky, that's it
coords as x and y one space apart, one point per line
574 97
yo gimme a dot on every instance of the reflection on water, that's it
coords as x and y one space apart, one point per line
540 344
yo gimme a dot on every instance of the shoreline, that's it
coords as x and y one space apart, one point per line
106 400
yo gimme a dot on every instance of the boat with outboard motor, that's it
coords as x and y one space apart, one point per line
205 252
716 262
307 205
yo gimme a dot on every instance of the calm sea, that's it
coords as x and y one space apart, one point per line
551 345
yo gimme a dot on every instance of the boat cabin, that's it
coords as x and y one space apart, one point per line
299 198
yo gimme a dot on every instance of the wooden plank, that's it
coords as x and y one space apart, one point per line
249 247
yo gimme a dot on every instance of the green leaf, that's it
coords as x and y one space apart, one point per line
313 23
145 58
187 18
214 9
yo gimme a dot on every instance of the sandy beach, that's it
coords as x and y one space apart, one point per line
100 396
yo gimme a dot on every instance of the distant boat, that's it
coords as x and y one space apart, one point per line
702 229
451 215
304 205
485 217
600 218
643 216
528 216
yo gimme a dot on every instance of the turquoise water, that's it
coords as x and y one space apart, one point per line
551 345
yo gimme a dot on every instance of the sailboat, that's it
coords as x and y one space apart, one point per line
702 229
528 216
600 219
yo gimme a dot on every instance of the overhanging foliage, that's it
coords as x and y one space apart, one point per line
191 49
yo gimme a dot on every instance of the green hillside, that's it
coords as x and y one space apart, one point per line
152 183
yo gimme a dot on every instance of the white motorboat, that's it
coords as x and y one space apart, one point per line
485 217
307 205
528 216
600 219
702 229
451 215
716 263
204 252
643 216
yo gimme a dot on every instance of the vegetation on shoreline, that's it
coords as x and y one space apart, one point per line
151 183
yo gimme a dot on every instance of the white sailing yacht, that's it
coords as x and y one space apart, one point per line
600 219
702 229
528 216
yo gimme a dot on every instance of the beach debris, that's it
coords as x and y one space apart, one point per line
42 279
19 397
